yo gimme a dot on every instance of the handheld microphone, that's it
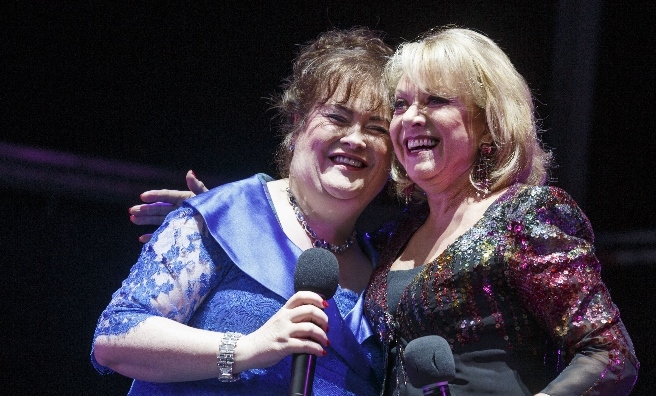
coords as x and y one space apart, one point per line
316 271
429 365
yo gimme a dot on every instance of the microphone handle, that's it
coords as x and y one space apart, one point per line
303 366
439 389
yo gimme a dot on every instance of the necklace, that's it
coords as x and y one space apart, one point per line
316 241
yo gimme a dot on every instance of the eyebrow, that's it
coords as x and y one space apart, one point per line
351 111
443 95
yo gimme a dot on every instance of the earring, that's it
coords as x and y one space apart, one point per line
291 147
480 174
407 193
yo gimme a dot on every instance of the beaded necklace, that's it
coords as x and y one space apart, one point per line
316 241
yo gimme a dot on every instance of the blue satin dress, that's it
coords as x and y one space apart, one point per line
222 262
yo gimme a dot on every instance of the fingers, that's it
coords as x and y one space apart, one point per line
143 219
311 315
310 322
195 186
274 341
152 209
308 338
300 326
159 203
306 306
152 196
173 197
304 298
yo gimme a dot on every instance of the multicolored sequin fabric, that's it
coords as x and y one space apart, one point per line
519 298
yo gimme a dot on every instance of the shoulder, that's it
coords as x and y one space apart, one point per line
183 217
524 199
227 195
183 223
546 206
522 194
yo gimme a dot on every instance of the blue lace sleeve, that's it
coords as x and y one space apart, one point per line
173 275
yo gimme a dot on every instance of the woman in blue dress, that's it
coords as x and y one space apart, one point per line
217 276
496 263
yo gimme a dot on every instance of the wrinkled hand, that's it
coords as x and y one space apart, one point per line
299 327
159 203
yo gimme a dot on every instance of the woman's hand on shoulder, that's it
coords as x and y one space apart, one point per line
300 326
159 203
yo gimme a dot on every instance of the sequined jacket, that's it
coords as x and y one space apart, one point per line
519 298
223 263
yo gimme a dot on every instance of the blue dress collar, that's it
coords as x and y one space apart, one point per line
241 218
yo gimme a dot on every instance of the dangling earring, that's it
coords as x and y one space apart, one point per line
480 174
291 148
407 193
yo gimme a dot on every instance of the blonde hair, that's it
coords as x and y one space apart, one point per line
350 62
457 62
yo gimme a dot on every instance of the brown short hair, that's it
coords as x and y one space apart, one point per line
353 59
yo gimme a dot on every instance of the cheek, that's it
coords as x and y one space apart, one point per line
389 151
398 149
382 148
396 134
313 139
395 127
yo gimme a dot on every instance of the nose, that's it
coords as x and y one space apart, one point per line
414 115
354 137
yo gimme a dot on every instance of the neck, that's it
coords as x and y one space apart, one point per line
332 219
446 202
458 209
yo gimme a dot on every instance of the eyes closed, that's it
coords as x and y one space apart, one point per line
342 116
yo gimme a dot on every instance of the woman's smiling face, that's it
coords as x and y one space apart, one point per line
435 138
344 149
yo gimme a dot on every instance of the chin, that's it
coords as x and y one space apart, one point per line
420 172
345 188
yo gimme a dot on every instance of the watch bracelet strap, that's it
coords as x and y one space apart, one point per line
225 358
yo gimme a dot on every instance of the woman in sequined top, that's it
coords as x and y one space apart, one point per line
218 274
499 265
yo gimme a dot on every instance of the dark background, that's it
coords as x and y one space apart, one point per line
102 100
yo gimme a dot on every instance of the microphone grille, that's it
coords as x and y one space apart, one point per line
429 360
317 270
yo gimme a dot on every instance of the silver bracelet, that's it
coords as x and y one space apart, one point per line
226 357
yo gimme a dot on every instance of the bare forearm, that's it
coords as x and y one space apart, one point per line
161 350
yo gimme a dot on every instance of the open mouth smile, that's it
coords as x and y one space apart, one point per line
418 144
342 160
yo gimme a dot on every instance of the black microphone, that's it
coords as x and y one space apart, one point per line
316 271
429 365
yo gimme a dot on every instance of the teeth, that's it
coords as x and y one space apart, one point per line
422 142
348 161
